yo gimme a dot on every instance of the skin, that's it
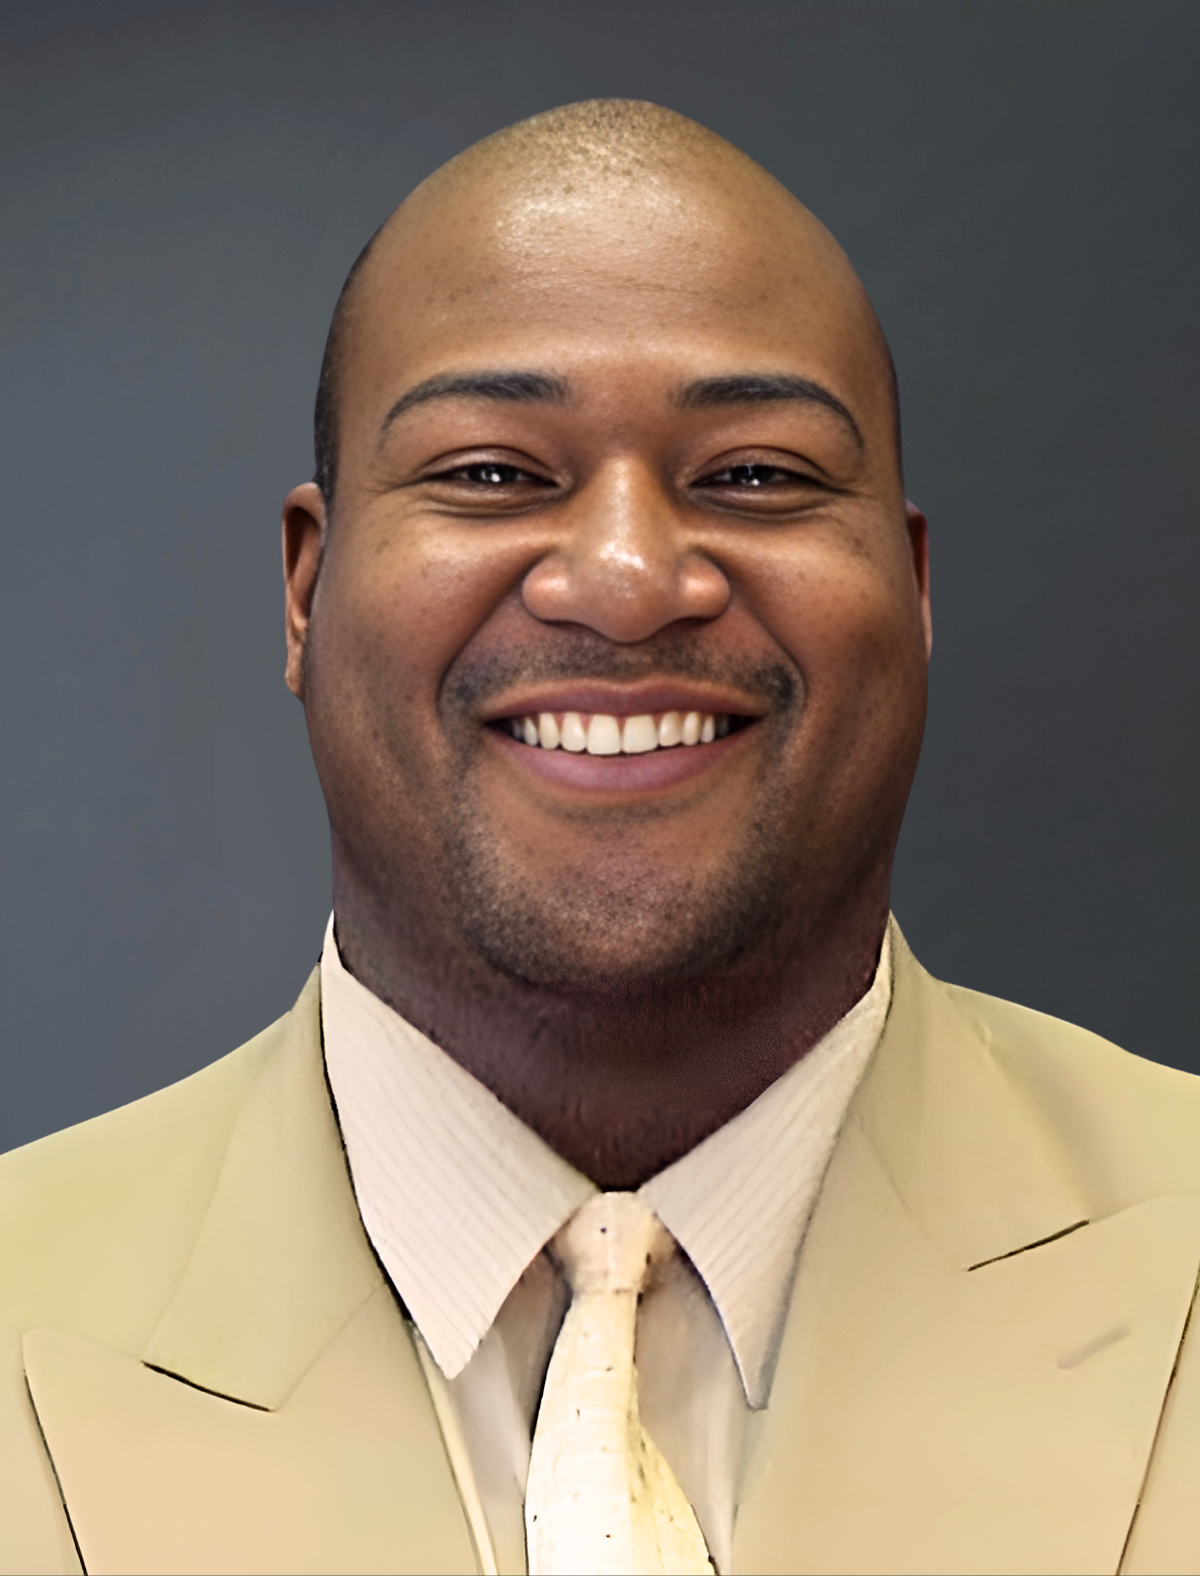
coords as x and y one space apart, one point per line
626 951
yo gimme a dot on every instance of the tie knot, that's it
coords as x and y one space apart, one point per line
609 1244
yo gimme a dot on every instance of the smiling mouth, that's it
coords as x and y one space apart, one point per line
603 733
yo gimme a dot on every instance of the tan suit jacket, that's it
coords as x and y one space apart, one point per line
984 1369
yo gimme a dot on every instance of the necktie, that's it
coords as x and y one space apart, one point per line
600 1496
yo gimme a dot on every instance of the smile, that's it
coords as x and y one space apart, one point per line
603 733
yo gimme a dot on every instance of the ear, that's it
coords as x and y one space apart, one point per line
304 520
918 536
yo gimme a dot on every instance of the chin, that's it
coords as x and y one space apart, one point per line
617 935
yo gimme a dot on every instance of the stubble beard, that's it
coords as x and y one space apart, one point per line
610 918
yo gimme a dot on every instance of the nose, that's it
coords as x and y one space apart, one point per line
626 564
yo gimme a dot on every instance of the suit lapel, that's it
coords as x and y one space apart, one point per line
348 1475
972 1376
278 1418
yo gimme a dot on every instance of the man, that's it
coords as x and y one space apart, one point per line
620 1192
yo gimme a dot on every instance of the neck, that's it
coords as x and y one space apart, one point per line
619 1077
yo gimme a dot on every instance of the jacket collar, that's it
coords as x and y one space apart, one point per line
281 1261
962 1149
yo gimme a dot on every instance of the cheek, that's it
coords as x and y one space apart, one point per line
838 621
407 606
850 625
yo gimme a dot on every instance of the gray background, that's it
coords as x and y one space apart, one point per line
182 188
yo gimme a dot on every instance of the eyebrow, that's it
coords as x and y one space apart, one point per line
763 388
542 388
518 388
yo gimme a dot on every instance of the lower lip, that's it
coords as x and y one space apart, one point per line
619 774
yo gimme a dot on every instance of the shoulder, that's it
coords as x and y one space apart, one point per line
1130 1127
96 1221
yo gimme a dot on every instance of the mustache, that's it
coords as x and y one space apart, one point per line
581 655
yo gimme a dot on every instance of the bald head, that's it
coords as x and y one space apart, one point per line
604 169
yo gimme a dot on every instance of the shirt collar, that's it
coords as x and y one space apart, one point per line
458 1195
739 1203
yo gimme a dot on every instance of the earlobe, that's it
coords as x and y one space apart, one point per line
304 520
918 536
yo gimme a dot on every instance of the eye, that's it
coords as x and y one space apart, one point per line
752 477
491 475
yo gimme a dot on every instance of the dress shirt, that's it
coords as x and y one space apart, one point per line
460 1199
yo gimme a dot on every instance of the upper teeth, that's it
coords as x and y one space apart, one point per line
598 733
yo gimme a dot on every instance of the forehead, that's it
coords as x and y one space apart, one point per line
647 277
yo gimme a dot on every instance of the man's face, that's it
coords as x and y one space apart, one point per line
646 475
